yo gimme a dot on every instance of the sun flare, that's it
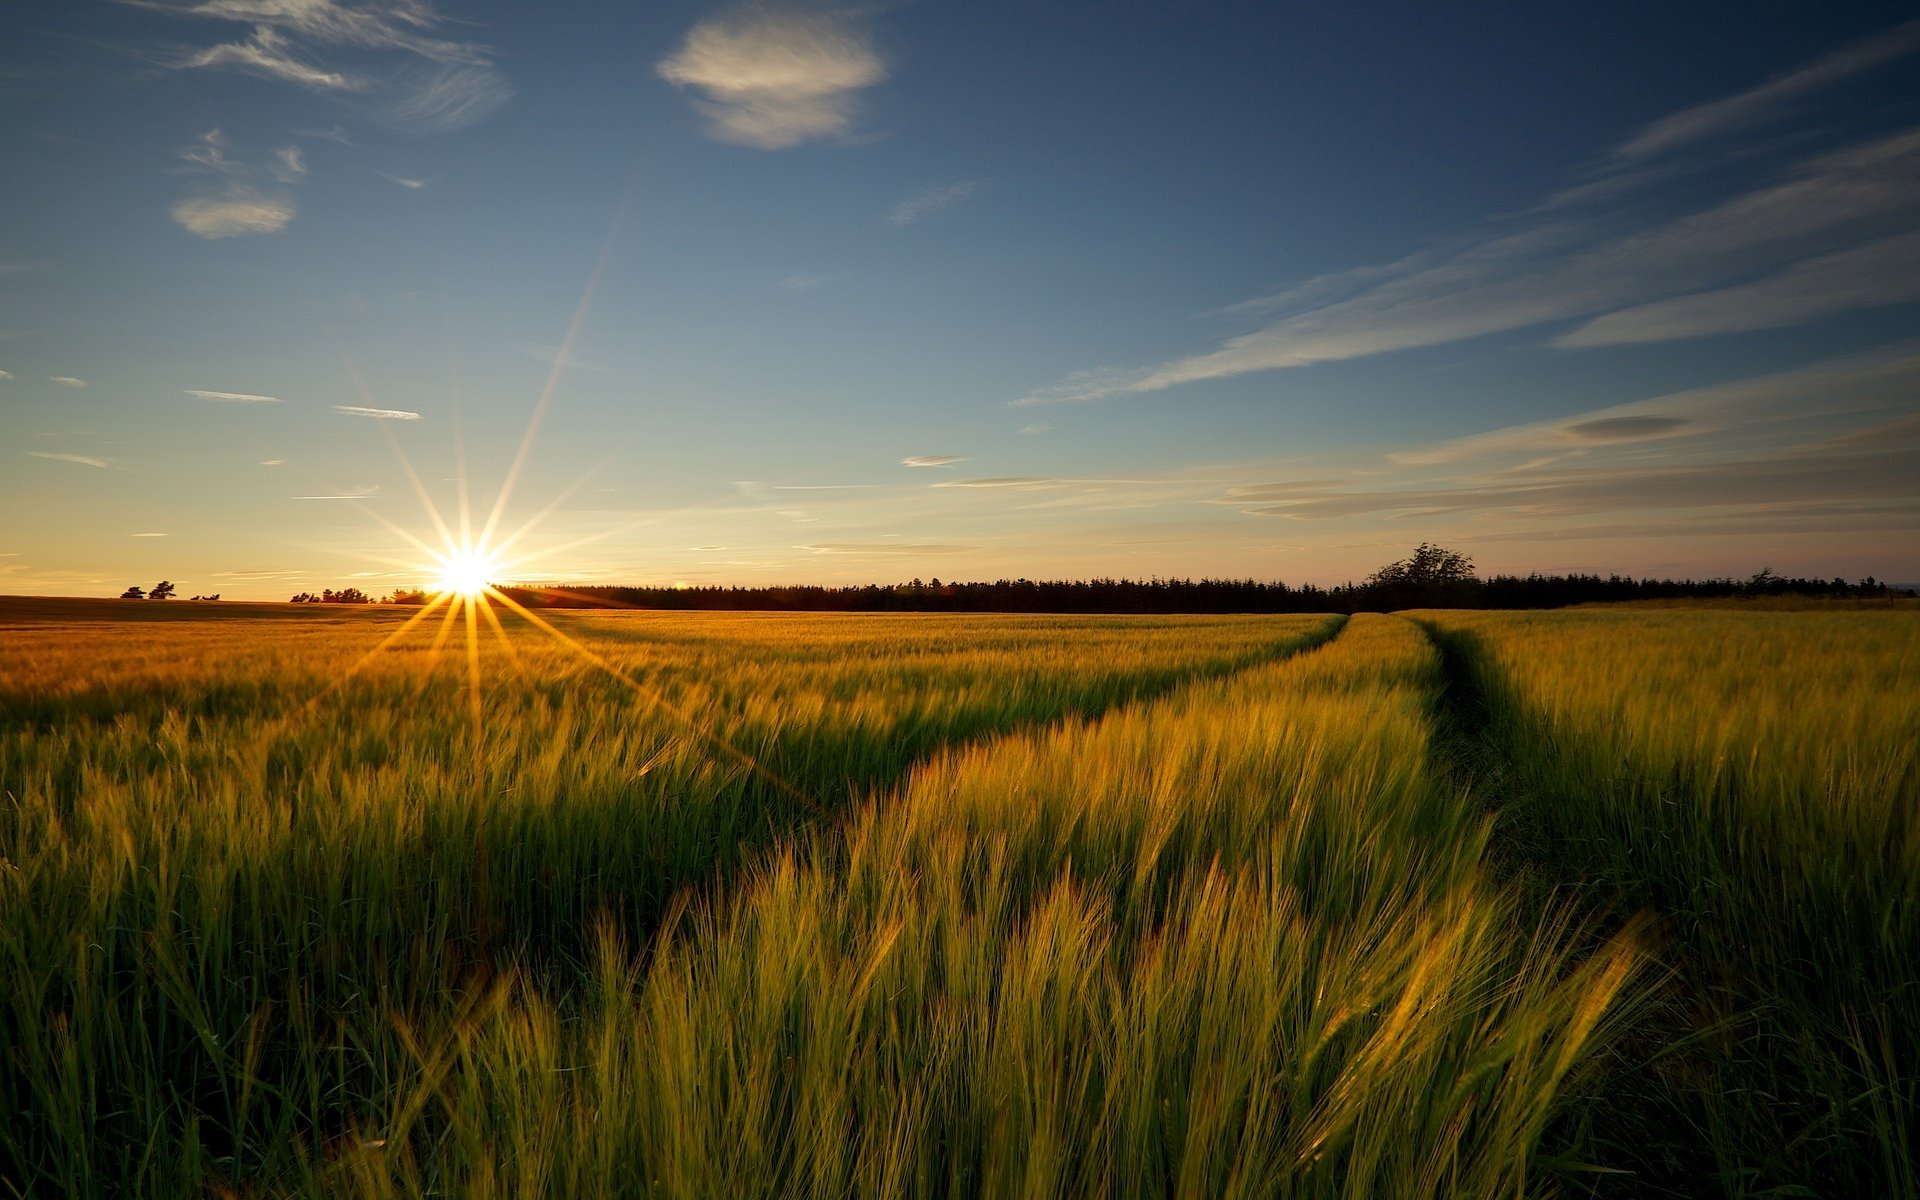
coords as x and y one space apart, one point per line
466 573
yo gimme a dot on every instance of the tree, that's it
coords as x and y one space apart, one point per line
161 591
133 593
1434 577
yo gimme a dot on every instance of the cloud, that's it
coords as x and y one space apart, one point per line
412 185
890 549
932 460
1749 409
1082 386
1625 429
1764 103
1879 273
929 201
775 80
1814 474
806 283
1773 245
455 86
5 375
1827 448
395 25
268 53
67 381
1030 430
378 414
289 164
273 462
1001 481
81 459
232 397
146 535
235 206
238 211
447 98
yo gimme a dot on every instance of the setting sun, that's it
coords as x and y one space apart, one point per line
466 573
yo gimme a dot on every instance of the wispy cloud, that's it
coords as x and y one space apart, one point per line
1001 481
447 98
886 549
5 375
67 381
805 283
378 414
81 459
238 211
929 201
1823 234
146 535
273 462
412 185
932 460
230 204
232 397
1744 408
1758 105
290 41
269 53
1879 273
281 29
773 79
289 164
1824 448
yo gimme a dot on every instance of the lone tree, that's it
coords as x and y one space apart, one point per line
161 591
133 593
1435 577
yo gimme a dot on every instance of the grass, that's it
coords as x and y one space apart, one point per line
940 905
1754 778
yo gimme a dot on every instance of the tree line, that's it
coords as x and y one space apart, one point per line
1432 577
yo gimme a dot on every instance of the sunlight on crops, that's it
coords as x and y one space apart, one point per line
908 905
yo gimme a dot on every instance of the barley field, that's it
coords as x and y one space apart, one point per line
320 903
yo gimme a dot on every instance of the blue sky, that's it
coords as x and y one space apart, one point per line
797 293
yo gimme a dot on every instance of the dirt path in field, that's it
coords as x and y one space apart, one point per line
1665 1108
1657 1152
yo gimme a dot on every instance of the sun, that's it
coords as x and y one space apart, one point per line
466 573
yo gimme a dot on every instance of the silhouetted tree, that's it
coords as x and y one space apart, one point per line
133 593
161 591
1435 577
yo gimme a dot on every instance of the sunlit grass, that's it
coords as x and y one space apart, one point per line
703 904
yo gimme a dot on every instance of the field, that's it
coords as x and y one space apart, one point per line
297 901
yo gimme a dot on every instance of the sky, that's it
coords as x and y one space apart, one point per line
794 293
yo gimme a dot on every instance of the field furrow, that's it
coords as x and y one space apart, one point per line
219 900
1237 941
1753 781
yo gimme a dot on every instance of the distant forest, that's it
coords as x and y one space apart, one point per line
1383 592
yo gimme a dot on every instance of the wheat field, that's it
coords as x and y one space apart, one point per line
302 903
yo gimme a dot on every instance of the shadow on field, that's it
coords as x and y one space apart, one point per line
1781 1056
